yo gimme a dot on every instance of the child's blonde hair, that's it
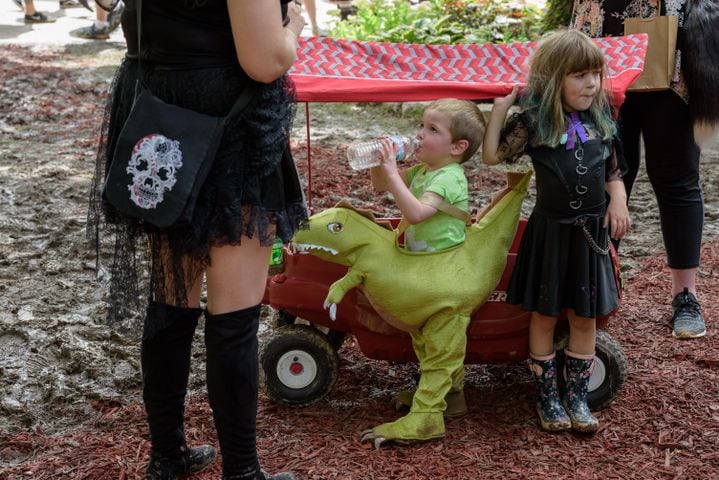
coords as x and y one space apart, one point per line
562 53
466 122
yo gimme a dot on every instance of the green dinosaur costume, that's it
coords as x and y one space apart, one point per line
431 295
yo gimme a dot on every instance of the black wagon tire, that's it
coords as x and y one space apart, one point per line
609 372
298 365
335 337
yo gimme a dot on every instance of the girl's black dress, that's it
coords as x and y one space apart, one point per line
188 59
563 260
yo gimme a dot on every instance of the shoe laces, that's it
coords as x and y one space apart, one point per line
684 302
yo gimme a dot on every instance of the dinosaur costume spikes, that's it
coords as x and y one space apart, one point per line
431 295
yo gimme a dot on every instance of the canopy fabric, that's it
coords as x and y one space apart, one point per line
333 70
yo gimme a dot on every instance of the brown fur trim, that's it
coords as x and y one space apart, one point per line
700 59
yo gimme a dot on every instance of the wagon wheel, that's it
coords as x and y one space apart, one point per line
609 372
298 365
335 337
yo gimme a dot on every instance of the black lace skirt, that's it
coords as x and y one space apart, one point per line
557 269
252 189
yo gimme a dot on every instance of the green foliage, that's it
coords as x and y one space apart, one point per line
559 12
441 21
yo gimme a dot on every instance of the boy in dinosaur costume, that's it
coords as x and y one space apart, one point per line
416 292
432 196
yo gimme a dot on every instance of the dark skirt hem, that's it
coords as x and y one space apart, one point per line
557 269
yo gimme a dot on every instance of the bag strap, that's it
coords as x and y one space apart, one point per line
440 205
443 206
242 101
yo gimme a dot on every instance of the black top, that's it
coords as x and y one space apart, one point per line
570 183
181 34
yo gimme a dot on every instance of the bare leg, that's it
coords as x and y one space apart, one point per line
237 276
682 278
582 334
30 7
100 14
541 334
311 8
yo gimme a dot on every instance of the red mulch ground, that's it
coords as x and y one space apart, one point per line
664 424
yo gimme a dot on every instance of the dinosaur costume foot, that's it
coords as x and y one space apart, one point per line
456 403
413 427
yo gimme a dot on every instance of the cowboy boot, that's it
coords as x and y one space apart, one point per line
232 383
165 359
578 370
552 416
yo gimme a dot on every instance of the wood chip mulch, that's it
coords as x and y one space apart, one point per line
664 424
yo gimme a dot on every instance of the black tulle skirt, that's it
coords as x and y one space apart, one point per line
557 269
252 190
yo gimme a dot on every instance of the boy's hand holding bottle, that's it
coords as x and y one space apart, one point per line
388 156
367 154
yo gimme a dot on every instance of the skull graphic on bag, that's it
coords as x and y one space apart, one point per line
153 165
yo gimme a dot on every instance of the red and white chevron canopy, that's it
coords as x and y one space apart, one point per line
332 70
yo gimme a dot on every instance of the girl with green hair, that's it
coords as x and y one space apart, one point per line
563 265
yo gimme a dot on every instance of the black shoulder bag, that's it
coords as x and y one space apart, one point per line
163 155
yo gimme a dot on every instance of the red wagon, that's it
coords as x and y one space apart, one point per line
299 361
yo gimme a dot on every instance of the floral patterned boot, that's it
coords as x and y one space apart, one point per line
552 416
578 369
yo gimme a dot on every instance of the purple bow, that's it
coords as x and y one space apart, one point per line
574 129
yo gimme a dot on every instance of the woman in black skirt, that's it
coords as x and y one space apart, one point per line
563 263
200 55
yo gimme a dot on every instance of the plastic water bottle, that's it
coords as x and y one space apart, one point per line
361 155
276 257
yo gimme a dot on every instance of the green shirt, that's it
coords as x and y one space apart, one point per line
440 231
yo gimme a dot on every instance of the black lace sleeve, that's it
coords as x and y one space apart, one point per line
513 138
616 164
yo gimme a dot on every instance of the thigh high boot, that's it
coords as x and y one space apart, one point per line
232 383
165 358
578 368
552 416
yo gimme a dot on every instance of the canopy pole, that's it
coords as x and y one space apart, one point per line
309 160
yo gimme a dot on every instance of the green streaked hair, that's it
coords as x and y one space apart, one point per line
559 54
